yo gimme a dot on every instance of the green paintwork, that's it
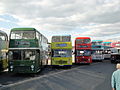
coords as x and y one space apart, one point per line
22 43
17 29
23 66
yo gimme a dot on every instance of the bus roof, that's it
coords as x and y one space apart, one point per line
15 29
3 33
83 38
106 46
61 38
97 40
107 42
60 35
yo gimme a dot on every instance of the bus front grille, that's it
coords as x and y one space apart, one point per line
22 68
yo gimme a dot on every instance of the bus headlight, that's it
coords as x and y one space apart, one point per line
11 67
32 66
33 62
11 62
89 59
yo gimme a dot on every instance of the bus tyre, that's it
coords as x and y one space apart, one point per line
1 67
101 60
88 64
112 61
70 67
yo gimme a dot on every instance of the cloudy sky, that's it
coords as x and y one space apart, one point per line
99 19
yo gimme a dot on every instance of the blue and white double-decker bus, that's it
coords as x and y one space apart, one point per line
97 50
97 53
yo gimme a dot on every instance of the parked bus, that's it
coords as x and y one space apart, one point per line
97 50
61 48
28 50
83 50
107 52
3 50
97 53
115 52
115 44
107 44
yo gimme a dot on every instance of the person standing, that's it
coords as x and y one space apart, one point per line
115 80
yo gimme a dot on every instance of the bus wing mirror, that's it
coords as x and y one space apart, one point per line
73 52
49 53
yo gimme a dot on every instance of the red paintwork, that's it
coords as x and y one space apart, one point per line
82 38
115 44
88 46
81 59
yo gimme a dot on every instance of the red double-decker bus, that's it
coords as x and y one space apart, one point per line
83 50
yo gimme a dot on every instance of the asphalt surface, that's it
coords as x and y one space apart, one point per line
96 76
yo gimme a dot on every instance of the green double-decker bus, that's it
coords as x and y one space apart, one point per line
61 48
3 50
28 50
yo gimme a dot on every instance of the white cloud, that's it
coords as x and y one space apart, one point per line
1 19
103 31
98 18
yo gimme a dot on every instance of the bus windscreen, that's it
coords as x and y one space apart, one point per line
83 52
61 53
22 35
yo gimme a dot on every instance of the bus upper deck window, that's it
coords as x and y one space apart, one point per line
22 35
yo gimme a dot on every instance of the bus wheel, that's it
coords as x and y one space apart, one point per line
1 67
70 67
112 61
88 64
